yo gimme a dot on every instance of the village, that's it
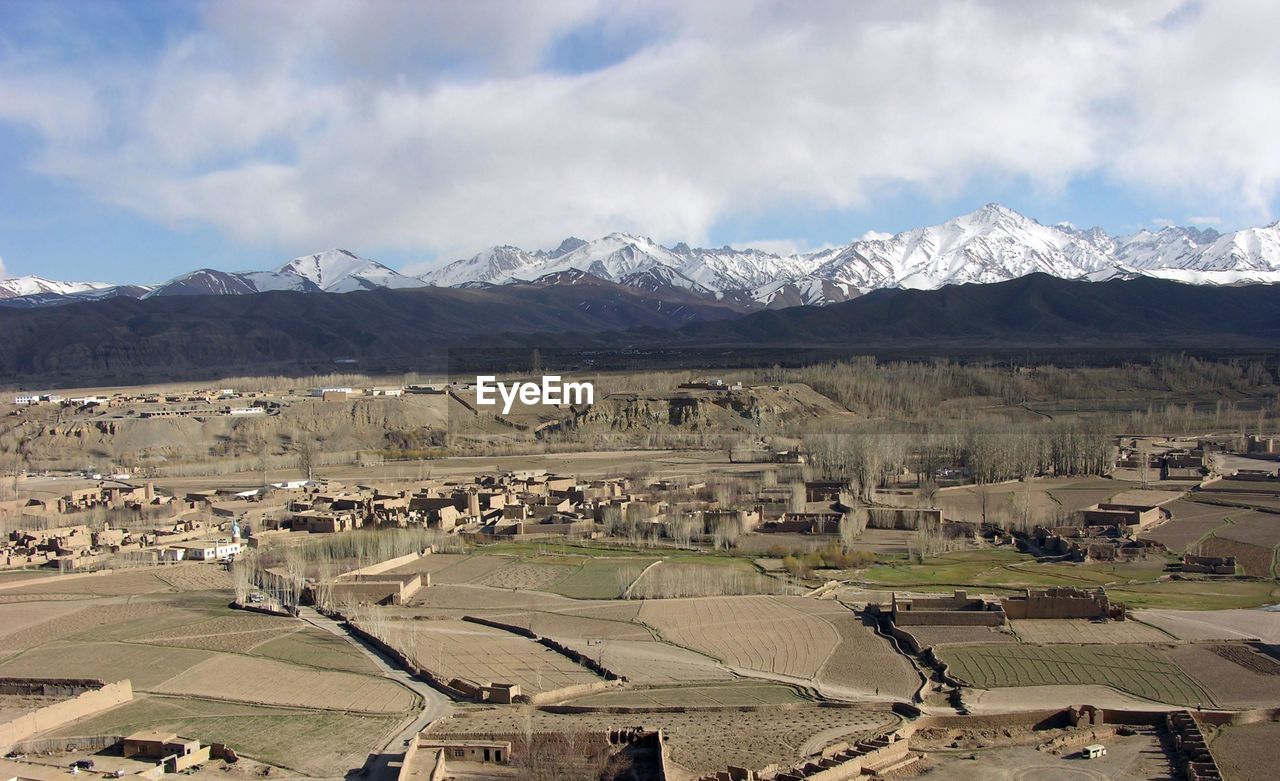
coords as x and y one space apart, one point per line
539 591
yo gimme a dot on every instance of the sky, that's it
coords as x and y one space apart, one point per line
140 140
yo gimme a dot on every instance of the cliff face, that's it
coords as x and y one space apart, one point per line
59 439
712 410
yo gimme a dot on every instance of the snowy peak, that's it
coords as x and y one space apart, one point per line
15 287
342 271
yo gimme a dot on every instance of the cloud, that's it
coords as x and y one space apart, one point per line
441 128
3 274
1163 222
1205 220
875 236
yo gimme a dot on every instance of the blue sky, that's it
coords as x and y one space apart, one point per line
139 140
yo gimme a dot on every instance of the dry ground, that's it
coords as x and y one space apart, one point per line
1196 625
1235 674
481 654
1190 522
1248 751
956 635
1081 631
754 633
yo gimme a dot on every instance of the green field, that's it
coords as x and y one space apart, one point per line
309 742
1198 594
1134 669
601 578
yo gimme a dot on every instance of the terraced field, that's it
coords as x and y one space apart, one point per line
751 632
1139 670
460 649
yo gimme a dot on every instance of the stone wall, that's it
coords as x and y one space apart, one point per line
50 717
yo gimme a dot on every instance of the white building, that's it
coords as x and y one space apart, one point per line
26 399
208 550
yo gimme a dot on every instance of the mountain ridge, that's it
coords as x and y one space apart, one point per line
990 244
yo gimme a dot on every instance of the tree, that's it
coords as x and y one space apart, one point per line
304 446
852 524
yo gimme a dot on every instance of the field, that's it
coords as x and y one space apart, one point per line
699 741
271 682
275 689
1142 671
943 635
1190 522
754 633
1254 560
1195 626
1073 631
1004 569
1196 594
649 662
1247 751
322 744
1235 674
604 578
729 695
481 654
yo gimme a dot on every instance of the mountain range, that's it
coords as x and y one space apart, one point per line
593 321
991 244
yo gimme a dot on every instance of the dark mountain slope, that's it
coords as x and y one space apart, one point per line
127 339
1037 310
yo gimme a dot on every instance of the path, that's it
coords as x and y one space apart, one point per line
434 704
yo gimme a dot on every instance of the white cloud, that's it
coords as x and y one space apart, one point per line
1163 222
3 274
1206 220
438 129
875 236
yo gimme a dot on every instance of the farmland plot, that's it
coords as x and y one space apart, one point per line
525 576
316 648
236 633
604 578
751 632
1190 522
312 743
1139 670
1081 631
1255 528
196 577
722 696
1196 625
145 665
865 664
1247 751
269 682
957 635
481 654
1235 674
648 662
469 569
1255 560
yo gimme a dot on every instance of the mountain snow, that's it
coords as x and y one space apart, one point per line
992 244
332 271
15 287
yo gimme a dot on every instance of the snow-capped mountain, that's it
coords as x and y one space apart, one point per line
332 271
991 244
32 286
631 260
32 291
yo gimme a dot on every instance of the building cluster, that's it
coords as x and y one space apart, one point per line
1107 531
105 495
961 609
82 547
534 504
